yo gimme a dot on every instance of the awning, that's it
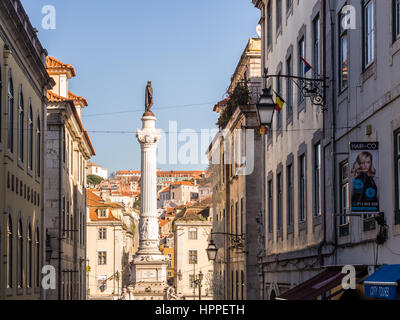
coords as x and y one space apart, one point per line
318 285
384 283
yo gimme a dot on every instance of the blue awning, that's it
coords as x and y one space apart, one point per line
384 283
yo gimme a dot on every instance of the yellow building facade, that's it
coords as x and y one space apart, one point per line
23 117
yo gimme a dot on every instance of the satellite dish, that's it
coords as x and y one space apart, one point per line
259 31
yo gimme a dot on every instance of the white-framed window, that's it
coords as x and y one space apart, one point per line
191 280
290 194
317 180
103 213
192 256
302 188
301 65
279 203
368 32
317 46
102 258
102 233
193 234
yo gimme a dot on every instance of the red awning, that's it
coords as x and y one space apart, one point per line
318 285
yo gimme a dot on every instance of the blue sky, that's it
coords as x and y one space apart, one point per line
189 49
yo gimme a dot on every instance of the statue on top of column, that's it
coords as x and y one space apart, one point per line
149 99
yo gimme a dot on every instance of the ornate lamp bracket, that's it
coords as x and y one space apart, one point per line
313 88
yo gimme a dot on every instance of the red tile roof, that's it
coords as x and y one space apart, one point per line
185 183
55 66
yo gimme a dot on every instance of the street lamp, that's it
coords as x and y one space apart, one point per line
265 108
237 241
212 251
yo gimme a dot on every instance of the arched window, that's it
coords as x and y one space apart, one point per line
30 137
20 256
37 257
10 253
10 117
20 131
38 145
29 256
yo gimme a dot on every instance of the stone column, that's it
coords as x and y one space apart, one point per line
148 226
149 272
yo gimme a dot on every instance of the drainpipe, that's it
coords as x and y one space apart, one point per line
333 109
322 263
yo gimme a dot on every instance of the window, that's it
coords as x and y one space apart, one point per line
236 218
279 202
29 257
102 233
67 230
317 46
344 193
269 25
317 180
10 117
38 147
63 215
289 88
103 213
192 234
396 19
343 55
242 284
10 252
242 216
368 32
302 188
301 66
192 256
237 285
38 268
72 157
278 14
397 175
102 258
270 207
288 4
30 138
20 131
289 184
20 255
191 280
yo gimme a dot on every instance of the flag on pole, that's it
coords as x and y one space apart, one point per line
263 130
279 103
307 66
